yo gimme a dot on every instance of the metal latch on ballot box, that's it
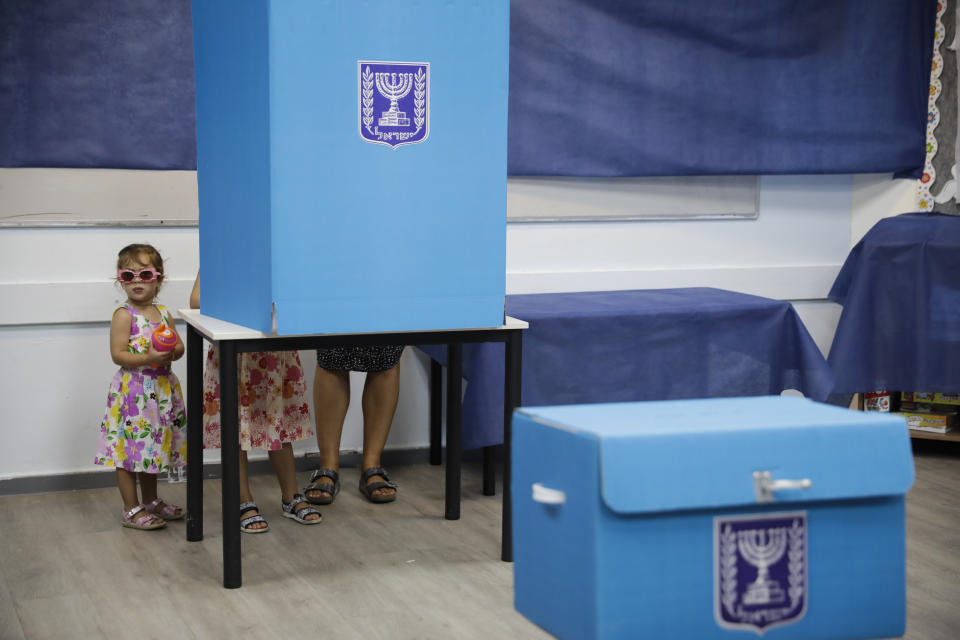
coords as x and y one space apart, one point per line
764 485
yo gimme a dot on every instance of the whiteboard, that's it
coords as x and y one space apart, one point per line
553 199
39 197
97 197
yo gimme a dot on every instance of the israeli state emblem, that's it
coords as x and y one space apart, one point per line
394 102
760 570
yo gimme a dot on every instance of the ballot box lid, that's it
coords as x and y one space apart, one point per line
675 455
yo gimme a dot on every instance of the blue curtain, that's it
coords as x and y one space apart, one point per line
668 87
96 83
597 87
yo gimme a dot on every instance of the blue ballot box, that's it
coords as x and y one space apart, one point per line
352 163
720 518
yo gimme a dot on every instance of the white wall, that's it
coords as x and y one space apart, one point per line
56 296
876 197
790 251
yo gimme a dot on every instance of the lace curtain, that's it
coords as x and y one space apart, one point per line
939 187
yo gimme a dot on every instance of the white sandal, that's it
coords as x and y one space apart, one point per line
247 507
290 510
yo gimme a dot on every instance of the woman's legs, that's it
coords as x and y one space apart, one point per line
331 398
380 393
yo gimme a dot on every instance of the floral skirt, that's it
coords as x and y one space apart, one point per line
273 405
144 428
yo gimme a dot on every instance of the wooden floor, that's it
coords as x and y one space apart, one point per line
68 570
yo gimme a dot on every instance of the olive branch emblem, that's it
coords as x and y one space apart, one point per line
419 94
728 569
405 85
794 540
367 99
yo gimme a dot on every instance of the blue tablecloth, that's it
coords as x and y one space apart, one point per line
613 346
900 291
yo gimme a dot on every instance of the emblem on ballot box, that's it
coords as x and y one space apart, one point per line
394 102
760 570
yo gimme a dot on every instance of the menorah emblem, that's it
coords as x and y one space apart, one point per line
762 548
760 569
394 90
393 106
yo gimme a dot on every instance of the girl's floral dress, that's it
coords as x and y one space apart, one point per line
273 407
144 427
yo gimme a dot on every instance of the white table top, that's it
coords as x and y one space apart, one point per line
215 329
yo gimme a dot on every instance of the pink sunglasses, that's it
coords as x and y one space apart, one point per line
144 275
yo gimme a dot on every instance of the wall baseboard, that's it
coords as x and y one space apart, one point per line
102 479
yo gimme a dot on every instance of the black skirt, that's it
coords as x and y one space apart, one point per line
374 358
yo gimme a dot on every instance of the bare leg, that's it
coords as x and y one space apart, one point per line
148 487
148 493
284 465
331 398
127 483
380 393
245 494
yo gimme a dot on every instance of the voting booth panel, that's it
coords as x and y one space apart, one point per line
719 518
352 163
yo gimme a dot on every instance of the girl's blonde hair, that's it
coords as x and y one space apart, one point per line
134 252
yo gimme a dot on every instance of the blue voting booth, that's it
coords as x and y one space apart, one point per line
717 518
352 163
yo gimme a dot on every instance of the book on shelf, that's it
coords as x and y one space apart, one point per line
931 422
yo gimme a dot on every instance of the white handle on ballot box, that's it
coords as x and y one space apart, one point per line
764 485
548 496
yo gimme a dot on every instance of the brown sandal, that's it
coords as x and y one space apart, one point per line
367 489
330 490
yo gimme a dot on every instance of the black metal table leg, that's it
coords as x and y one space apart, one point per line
454 389
490 470
436 409
230 464
194 435
513 375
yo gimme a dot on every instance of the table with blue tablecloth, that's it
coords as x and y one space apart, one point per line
612 346
900 291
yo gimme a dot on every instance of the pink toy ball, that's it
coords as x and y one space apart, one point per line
164 339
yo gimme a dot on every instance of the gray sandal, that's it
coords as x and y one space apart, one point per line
290 510
247 507
367 489
331 491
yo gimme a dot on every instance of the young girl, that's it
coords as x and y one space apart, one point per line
273 413
143 432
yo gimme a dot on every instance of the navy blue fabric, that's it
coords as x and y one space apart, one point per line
900 291
668 87
96 83
622 346
597 87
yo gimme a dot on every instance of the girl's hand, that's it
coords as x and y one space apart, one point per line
159 358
